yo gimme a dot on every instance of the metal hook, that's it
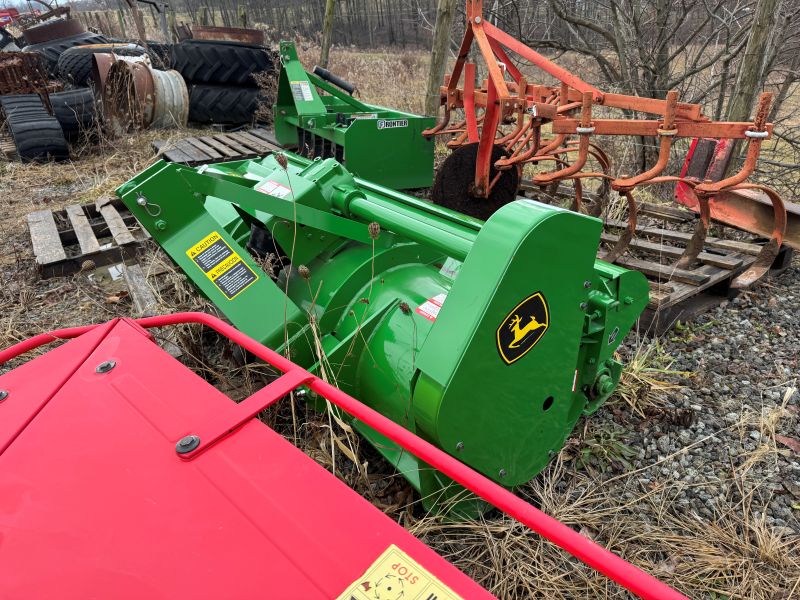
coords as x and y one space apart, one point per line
146 204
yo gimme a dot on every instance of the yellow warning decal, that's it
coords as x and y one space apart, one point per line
222 265
396 576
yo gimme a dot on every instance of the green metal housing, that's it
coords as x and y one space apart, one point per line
489 339
375 143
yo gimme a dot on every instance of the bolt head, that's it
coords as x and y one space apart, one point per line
477 19
583 305
161 225
587 284
105 366
187 444
3 395
141 201
459 446
502 473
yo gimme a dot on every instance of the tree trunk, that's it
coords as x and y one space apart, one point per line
445 12
751 71
327 33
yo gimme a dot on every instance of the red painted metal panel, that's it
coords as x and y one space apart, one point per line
95 502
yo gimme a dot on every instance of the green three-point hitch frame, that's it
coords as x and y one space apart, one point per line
489 339
379 144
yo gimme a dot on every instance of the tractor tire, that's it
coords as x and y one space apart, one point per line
223 104
75 64
221 63
75 111
53 30
37 135
51 51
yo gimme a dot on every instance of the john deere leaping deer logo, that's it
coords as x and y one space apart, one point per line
522 328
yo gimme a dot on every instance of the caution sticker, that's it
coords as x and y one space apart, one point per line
273 188
396 576
224 267
301 91
431 307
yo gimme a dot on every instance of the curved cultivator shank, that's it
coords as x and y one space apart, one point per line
503 122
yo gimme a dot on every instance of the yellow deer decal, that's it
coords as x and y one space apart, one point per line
521 333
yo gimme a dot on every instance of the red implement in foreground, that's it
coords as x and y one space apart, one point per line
125 475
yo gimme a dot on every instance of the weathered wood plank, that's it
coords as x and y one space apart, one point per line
205 148
119 230
723 261
83 230
47 245
191 151
234 145
667 213
252 143
145 304
144 301
680 236
219 147
664 272
267 136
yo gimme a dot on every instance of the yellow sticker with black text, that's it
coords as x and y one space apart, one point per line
522 328
396 576
222 265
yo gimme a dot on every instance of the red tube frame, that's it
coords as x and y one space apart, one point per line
627 575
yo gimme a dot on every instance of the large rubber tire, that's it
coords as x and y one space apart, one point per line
75 111
221 63
51 51
223 104
75 64
37 136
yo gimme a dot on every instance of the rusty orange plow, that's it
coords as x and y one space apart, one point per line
503 128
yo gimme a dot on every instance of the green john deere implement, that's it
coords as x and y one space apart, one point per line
488 339
370 141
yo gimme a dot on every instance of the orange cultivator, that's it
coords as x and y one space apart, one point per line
502 130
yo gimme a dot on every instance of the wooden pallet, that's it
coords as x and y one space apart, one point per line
7 148
678 293
103 233
219 147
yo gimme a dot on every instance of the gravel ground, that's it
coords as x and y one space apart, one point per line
739 399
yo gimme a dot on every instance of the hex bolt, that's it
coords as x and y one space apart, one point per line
502 473
141 201
459 446
587 284
3 395
161 225
584 305
105 366
187 444
477 19
551 453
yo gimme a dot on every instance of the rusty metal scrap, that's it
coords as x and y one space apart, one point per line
22 73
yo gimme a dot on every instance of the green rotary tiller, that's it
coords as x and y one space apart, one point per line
489 339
